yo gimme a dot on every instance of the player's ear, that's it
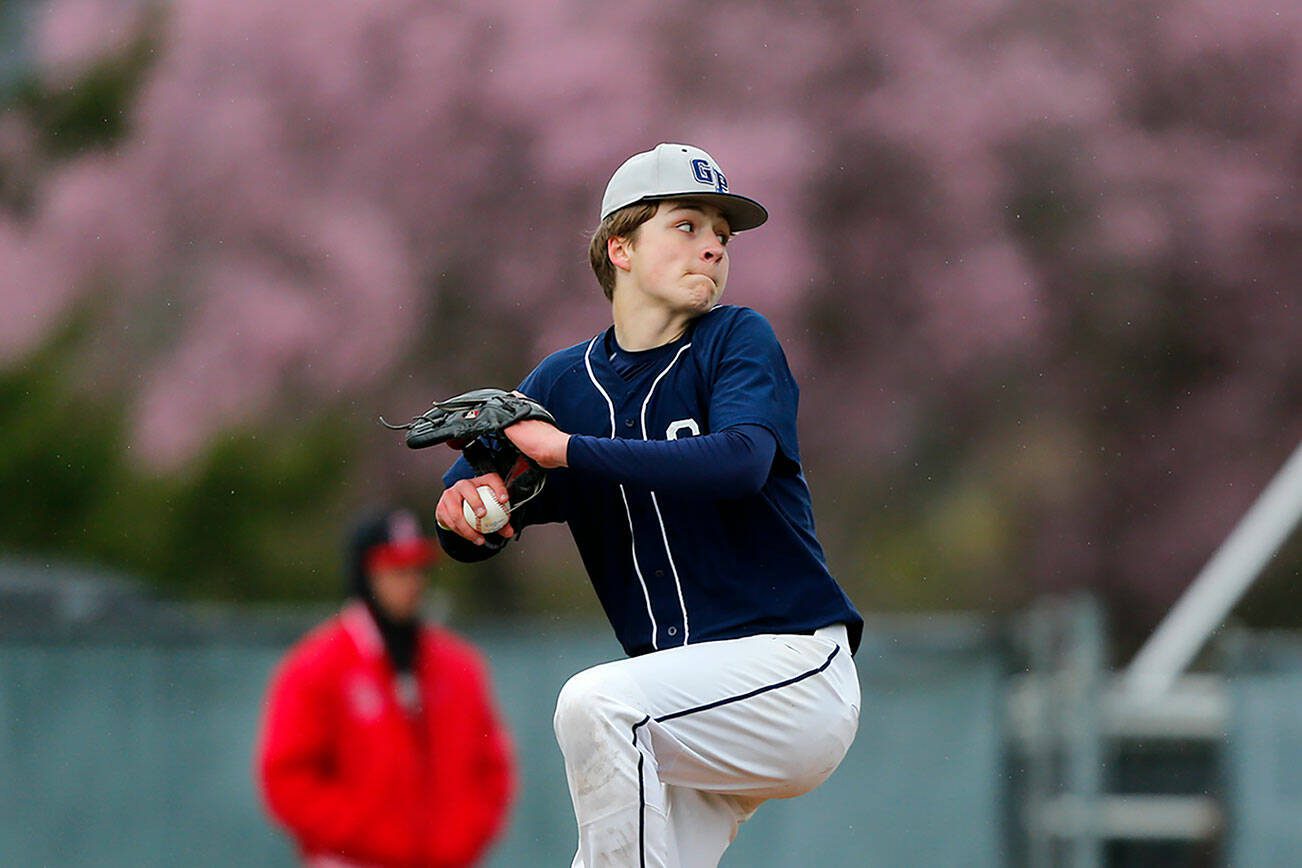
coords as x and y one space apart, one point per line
618 248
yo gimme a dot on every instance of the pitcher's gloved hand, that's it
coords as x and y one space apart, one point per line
473 422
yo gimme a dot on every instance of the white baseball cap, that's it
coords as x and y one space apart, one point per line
671 171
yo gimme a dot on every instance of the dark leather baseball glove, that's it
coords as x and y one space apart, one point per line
473 422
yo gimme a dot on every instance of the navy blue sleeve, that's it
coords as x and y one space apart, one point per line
753 383
721 466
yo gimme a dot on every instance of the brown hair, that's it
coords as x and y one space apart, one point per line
621 223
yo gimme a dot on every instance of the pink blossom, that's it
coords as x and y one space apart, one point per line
992 223
73 35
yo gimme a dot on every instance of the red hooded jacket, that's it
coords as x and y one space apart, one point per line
356 779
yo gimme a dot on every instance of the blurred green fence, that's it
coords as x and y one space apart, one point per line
136 751
128 741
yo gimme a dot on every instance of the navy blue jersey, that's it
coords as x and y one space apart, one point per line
671 569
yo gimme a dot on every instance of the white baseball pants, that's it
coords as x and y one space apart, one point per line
668 753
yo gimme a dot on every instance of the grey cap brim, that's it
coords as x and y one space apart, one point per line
740 212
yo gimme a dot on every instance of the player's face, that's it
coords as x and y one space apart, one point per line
398 591
679 257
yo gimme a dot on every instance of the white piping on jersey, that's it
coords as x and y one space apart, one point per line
628 513
587 363
678 585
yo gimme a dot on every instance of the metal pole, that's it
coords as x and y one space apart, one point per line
1220 585
1042 741
1083 671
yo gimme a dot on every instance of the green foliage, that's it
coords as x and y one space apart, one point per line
94 113
244 522
54 451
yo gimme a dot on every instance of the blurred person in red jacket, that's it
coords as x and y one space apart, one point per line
381 745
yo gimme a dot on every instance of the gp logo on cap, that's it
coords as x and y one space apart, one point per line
707 174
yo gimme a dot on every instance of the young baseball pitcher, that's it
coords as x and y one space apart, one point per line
674 461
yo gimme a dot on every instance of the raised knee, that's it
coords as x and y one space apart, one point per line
573 705
588 703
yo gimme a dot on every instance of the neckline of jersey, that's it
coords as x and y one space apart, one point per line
612 346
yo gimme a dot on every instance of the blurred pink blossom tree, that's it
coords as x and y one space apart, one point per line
1035 263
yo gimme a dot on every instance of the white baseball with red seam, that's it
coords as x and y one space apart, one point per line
496 514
